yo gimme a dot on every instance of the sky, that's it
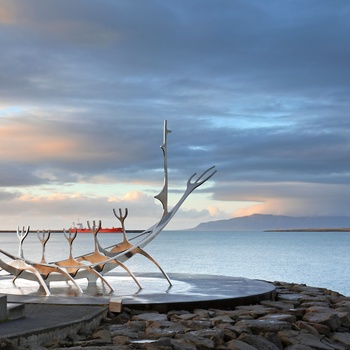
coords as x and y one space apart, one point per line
260 89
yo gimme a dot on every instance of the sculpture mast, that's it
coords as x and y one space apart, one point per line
163 195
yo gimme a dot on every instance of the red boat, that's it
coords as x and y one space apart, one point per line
80 229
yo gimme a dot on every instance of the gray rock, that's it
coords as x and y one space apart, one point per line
279 317
121 340
308 304
196 324
163 343
183 317
126 330
228 330
104 335
343 303
241 327
341 308
314 328
240 313
239 345
204 313
150 316
169 325
334 345
197 341
289 337
290 297
306 326
93 347
221 319
278 304
214 334
182 344
343 338
257 341
344 317
263 325
257 310
313 341
156 333
303 337
299 347
297 312
273 338
138 326
177 312
308 289
321 328
121 318
323 299
323 315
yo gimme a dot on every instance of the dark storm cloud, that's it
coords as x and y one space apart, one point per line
132 48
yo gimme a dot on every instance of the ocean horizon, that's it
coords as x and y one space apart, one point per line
318 259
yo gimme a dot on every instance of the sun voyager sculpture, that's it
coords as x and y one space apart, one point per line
92 266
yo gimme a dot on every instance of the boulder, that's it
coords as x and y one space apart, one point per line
216 335
279 317
221 319
121 340
278 304
197 341
263 325
239 345
150 316
104 335
256 310
257 341
342 338
314 328
323 315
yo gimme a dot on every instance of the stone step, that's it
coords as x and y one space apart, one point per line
10 311
15 311
3 307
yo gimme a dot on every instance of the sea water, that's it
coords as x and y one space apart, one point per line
319 259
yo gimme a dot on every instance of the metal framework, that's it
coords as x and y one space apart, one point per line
95 264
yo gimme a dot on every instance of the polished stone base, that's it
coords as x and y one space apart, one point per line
187 292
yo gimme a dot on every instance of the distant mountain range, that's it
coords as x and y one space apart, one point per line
261 222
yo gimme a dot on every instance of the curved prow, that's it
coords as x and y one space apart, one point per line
191 186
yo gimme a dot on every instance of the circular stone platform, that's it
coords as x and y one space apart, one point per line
187 292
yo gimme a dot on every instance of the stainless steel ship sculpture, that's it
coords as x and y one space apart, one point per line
95 264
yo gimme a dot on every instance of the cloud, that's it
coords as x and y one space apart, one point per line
258 89
30 142
6 15
59 210
287 198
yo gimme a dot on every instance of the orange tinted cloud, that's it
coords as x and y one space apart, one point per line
7 14
27 142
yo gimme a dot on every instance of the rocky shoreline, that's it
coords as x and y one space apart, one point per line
300 318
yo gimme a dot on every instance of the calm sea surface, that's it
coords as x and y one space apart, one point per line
319 259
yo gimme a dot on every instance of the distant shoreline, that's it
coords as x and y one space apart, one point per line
311 230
